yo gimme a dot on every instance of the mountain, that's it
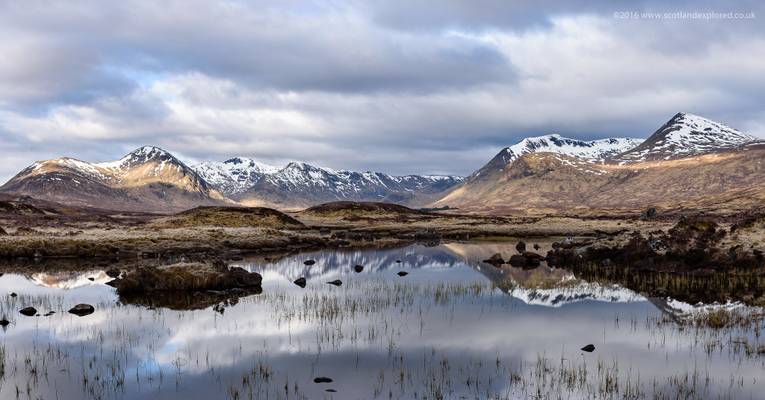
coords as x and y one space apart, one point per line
151 179
686 135
147 179
689 163
299 185
235 175
594 150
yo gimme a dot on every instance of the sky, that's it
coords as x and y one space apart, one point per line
397 86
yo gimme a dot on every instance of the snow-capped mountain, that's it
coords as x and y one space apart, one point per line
300 184
146 179
593 150
545 176
152 179
686 135
235 175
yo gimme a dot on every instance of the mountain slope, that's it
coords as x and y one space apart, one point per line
689 163
147 179
594 150
551 183
686 135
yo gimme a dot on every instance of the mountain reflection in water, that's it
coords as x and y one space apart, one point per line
454 327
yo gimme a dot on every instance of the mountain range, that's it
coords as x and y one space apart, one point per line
689 162
151 179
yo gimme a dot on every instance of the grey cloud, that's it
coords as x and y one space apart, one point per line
401 87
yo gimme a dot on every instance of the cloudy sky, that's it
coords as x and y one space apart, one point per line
408 86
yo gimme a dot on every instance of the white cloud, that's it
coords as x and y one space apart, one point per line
334 85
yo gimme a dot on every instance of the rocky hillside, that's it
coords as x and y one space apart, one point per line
300 185
147 179
690 163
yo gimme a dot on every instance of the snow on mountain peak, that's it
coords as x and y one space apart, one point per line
686 135
595 150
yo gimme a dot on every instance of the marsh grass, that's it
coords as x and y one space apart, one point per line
124 351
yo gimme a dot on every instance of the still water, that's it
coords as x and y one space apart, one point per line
454 327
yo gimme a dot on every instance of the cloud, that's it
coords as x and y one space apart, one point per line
392 86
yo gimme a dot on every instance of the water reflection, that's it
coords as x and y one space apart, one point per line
453 327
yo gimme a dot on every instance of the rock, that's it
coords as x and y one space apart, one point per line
648 214
331 390
322 379
402 273
309 262
3 232
517 260
325 231
113 273
4 322
589 348
91 279
358 268
82 310
532 255
300 282
28 311
13 294
336 282
536 246
186 277
521 247
398 261
495 260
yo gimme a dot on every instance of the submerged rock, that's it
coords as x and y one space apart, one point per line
82 310
300 282
358 268
336 282
589 348
28 311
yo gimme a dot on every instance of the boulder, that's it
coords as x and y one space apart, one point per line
82 310
402 273
300 282
4 322
358 268
186 277
589 348
517 260
309 262
28 311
